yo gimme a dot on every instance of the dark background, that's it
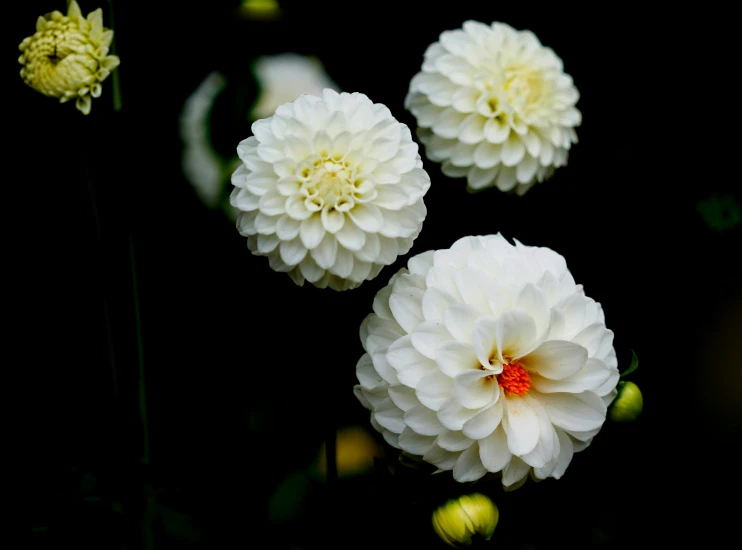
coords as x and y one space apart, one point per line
244 370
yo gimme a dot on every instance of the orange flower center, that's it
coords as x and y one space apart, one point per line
514 378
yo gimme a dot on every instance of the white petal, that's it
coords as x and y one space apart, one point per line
469 467
484 338
423 421
403 397
545 449
332 219
293 251
325 253
531 300
565 454
367 217
485 422
312 231
388 415
522 426
578 412
460 320
434 389
514 472
415 443
406 307
453 416
435 302
493 450
454 357
428 335
410 364
475 389
472 284
351 237
556 359
443 459
454 440
515 334
590 377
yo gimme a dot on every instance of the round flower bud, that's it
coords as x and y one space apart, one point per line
459 520
68 57
495 106
629 403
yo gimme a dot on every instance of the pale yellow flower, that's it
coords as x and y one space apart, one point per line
68 57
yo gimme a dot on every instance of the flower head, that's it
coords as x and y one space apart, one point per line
68 57
494 105
460 519
331 189
284 77
487 357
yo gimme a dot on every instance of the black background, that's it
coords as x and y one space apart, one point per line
244 370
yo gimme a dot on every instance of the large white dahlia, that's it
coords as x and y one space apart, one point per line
494 105
331 189
487 357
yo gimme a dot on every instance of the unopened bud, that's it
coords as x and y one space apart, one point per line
461 519
628 404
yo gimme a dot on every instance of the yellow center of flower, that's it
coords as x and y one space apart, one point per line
514 378
332 182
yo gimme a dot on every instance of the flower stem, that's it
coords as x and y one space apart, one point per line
140 357
115 74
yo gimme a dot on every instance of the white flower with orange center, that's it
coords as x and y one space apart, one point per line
68 57
331 189
487 357
495 106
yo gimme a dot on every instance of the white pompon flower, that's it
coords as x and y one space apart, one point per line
487 357
284 77
331 189
495 106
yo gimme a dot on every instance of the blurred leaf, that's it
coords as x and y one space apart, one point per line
633 366
288 499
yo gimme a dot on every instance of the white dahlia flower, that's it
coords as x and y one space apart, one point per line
284 77
494 105
487 357
331 189
68 57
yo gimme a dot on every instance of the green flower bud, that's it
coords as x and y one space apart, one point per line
458 520
628 403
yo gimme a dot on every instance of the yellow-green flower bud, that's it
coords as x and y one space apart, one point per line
628 404
68 57
458 520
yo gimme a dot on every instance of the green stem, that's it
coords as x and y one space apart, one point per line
99 233
140 357
115 74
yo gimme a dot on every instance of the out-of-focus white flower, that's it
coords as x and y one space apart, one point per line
204 168
331 189
487 357
495 106
68 57
284 77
